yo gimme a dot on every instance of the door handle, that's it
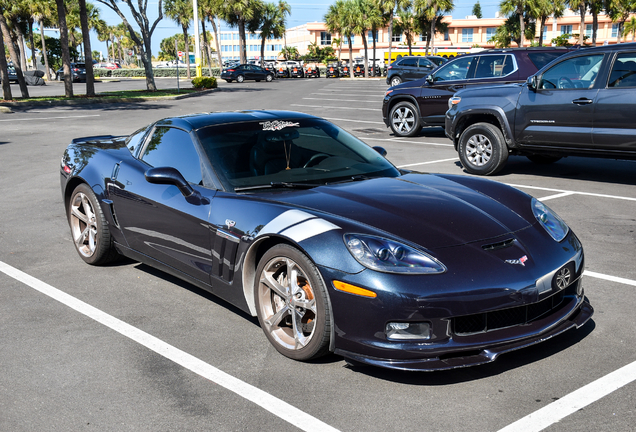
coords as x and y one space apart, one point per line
582 101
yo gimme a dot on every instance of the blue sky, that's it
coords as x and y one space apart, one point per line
302 12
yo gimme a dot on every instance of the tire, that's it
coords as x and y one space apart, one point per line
305 333
395 80
543 159
240 78
269 78
482 149
405 119
89 228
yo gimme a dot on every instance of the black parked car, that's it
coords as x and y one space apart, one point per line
244 72
293 220
409 106
282 71
345 70
333 71
358 70
13 76
409 69
312 69
78 71
582 104
296 70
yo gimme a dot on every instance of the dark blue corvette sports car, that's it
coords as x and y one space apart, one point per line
294 220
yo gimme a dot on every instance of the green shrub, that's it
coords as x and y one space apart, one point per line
204 82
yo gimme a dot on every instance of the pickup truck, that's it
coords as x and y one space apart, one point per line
581 104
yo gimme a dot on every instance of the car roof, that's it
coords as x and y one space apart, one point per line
197 121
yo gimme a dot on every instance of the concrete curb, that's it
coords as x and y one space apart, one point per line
5 110
86 101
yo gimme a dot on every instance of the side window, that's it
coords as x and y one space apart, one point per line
491 66
174 148
623 71
425 63
135 140
455 70
575 72
409 62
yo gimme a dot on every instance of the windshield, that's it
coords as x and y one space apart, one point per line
308 151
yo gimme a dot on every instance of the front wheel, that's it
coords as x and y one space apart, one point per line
404 119
89 228
482 149
240 79
291 303
269 78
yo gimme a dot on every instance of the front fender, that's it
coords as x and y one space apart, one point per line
469 115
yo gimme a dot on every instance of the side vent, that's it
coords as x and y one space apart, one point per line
500 245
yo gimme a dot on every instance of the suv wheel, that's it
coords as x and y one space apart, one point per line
482 149
404 119
395 80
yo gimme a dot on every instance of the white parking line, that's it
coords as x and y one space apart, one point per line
331 93
342 100
429 162
49 118
579 399
561 195
337 107
270 403
355 121
572 192
609 278
400 140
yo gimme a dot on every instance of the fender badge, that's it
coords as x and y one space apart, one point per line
520 261
229 223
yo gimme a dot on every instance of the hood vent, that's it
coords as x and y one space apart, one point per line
499 245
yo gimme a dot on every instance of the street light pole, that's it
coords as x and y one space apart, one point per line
197 47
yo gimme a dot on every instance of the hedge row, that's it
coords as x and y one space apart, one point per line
158 72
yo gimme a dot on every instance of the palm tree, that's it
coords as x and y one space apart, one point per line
237 13
270 21
333 22
337 41
630 27
517 7
66 58
377 19
11 10
88 54
211 9
180 11
596 7
541 10
581 5
407 26
390 8
43 12
619 11
362 25
4 72
429 9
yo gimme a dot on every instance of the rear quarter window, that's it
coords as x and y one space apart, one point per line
540 59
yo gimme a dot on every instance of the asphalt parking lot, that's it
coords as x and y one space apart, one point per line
127 347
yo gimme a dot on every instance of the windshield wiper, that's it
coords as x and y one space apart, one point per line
354 178
275 185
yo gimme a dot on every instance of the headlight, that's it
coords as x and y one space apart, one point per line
389 256
454 101
552 223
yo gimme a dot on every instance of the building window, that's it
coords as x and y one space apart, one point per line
370 36
422 38
490 33
588 30
325 38
396 38
446 36
467 35
566 29
236 48
235 36
614 30
345 40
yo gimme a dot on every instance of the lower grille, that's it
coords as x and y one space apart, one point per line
488 321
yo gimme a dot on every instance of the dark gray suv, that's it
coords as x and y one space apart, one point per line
581 104
408 69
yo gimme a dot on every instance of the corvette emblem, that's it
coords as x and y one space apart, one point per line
229 223
520 261
563 277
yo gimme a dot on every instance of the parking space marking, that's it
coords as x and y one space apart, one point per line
609 278
50 118
400 140
331 93
342 100
354 121
560 195
571 403
276 406
427 163
573 192
337 107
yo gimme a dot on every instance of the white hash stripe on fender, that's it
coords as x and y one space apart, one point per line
308 229
297 225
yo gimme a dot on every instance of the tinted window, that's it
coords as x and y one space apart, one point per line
135 140
623 71
454 70
174 148
575 72
426 63
494 66
409 62
540 59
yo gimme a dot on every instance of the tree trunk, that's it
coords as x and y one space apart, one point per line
350 57
594 26
187 51
390 37
242 47
44 53
216 40
366 54
88 54
582 8
66 58
22 50
4 73
146 59
373 66
262 49
207 46
432 35
522 26
33 61
14 56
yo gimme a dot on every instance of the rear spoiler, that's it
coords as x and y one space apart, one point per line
95 138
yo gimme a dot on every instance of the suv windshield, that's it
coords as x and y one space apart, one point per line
298 151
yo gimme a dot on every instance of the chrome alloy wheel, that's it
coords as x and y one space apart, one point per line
479 150
83 225
403 120
287 303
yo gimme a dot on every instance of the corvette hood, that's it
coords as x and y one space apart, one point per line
429 210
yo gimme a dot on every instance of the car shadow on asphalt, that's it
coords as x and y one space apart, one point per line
572 168
227 89
504 363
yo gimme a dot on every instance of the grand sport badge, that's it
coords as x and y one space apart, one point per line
278 125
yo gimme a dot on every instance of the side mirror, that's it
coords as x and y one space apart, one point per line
380 150
429 79
533 82
171 176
